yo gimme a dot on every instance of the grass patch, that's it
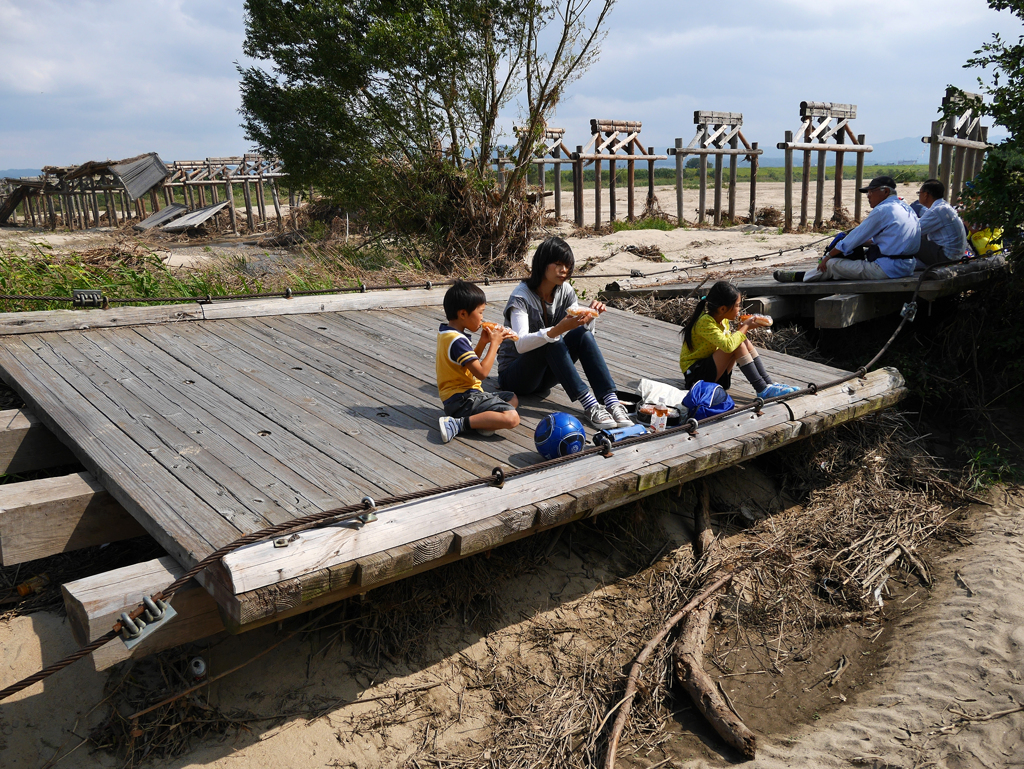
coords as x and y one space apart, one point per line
649 223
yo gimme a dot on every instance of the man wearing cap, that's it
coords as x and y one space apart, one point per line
883 246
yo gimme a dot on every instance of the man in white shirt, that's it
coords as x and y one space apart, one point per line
943 235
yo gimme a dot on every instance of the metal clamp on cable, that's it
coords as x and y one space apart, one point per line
288 293
429 285
370 505
87 297
813 388
909 311
691 426
499 477
758 405
487 280
602 440
636 274
362 288
150 619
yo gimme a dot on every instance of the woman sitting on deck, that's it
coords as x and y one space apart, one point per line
554 332
710 350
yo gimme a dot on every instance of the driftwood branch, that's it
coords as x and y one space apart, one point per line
625 704
688 651
688 658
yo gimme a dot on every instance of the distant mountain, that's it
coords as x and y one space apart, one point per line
15 173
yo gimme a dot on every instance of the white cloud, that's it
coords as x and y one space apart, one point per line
84 80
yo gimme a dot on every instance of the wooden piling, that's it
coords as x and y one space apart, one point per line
819 190
680 175
734 143
577 182
611 190
630 180
789 182
557 152
597 194
754 164
837 199
702 192
859 178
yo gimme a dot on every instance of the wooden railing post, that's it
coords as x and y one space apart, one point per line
702 196
837 202
860 179
754 163
789 182
680 173
557 152
734 144
577 180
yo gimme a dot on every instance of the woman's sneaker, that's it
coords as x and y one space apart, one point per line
618 413
775 390
599 417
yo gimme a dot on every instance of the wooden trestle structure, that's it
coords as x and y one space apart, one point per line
109 193
200 423
958 145
718 134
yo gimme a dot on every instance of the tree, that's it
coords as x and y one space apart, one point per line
997 195
392 107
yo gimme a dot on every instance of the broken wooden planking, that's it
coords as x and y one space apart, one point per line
195 218
165 214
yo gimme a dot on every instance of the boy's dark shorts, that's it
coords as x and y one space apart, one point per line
705 370
475 401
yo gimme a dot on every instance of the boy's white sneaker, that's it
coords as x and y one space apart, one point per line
449 428
599 417
618 413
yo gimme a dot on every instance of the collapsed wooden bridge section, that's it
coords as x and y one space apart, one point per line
201 423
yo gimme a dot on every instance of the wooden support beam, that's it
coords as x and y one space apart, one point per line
94 603
844 310
26 445
779 307
55 515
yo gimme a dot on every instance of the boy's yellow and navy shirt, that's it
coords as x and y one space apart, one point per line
454 352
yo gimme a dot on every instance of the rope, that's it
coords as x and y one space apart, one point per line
497 478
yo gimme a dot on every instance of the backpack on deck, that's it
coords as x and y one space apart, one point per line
707 399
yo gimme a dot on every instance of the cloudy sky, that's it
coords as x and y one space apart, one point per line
90 80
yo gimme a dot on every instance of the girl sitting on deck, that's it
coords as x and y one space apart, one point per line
710 350
554 332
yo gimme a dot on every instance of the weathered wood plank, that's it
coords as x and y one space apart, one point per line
256 566
94 603
312 475
56 515
68 320
26 444
490 532
129 478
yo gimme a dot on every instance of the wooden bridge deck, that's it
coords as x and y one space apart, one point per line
206 430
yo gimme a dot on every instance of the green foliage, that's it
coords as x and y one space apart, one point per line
647 223
390 108
989 465
997 195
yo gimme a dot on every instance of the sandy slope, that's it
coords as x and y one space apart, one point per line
963 651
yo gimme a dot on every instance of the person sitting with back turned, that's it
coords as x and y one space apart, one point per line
882 246
460 367
943 235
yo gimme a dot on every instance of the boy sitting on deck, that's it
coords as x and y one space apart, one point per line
460 367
